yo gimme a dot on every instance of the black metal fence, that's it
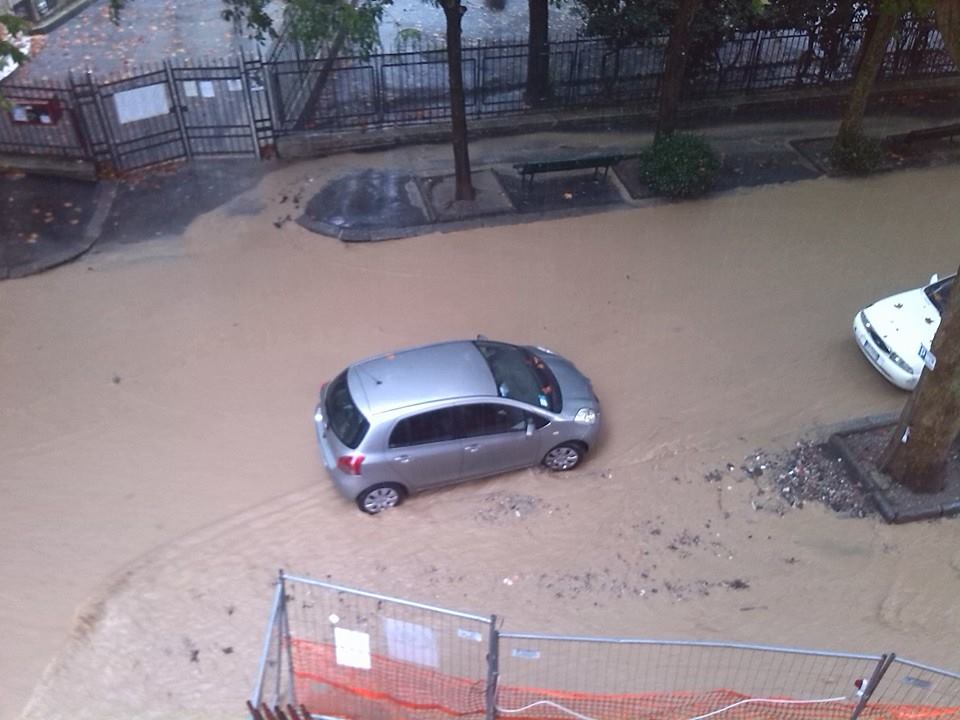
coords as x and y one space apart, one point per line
173 111
410 85
238 106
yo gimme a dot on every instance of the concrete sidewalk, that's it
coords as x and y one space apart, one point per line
47 221
404 200
406 191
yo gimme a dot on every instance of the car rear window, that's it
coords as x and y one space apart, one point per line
521 375
346 421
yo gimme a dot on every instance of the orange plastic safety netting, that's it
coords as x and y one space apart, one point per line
399 690
543 704
389 690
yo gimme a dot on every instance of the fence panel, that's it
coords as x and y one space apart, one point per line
916 50
142 119
363 655
416 86
639 68
259 99
344 653
607 678
911 691
62 138
92 118
502 69
216 108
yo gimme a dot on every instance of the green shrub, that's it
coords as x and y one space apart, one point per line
679 166
856 154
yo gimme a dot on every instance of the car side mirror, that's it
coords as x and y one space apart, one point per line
530 427
933 279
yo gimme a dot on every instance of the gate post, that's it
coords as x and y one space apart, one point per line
75 112
248 99
878 672
178 109
493 671
105 123
286 642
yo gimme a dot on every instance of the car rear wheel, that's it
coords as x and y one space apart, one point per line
565 456
381 497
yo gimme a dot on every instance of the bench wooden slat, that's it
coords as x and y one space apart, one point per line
943 131
581 163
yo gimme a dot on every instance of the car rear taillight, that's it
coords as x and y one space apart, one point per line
350 464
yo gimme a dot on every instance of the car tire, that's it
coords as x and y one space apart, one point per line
377 498
565 456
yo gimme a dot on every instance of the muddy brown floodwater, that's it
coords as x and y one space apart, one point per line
159 462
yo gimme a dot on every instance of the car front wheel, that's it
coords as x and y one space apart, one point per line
565 456
381 497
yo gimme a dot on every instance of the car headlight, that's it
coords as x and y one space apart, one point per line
901 363
587 416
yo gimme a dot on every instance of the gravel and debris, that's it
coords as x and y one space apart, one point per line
788 479
499 507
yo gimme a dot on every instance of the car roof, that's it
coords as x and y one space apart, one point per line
429 373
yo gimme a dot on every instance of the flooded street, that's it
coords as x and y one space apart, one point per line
160 462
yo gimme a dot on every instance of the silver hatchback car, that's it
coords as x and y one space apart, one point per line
438 414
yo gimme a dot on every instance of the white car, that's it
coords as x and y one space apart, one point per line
895 332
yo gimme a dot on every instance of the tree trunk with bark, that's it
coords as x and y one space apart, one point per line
930 423
675 66
882 26
316 90
538 53
454 11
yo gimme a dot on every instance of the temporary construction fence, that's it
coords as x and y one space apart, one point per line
238 107
337 652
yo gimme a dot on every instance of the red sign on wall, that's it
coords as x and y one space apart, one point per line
35 112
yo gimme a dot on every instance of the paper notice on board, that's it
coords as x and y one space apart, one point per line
353 648
141 103
411 642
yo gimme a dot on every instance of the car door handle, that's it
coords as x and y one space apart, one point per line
402 458
471 448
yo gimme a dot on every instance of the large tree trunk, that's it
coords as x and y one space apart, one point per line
454 11
930 423
538 53
316 89
675 66
326 70
871 57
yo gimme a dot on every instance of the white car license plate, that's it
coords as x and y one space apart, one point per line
871 353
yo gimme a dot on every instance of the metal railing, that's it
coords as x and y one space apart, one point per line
409 86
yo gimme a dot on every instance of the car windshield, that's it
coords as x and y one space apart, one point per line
346 421
521 375
939 292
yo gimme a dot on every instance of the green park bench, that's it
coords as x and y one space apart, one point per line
529 170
